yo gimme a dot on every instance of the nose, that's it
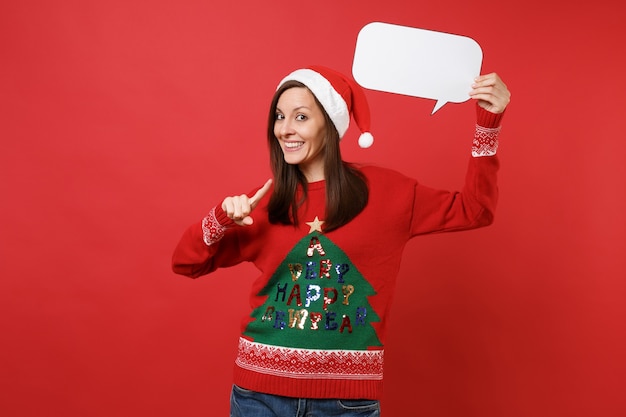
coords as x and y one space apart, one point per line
283 128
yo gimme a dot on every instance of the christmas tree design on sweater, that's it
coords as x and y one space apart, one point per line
316 319
316 299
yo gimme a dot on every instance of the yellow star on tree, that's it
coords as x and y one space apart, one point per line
315 225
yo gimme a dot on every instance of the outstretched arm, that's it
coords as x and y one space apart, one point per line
442 211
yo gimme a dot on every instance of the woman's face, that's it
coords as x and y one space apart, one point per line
300 128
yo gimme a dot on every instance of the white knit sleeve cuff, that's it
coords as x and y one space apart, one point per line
485 141
212 230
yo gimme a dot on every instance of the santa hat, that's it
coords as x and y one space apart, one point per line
340 96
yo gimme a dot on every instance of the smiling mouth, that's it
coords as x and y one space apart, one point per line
293 145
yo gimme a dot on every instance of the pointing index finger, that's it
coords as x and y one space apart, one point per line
260 193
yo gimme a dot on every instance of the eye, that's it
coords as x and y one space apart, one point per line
301 117
280 116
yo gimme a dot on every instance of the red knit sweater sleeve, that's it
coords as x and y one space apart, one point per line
202 249
474 206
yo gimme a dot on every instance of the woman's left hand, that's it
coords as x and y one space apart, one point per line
491 93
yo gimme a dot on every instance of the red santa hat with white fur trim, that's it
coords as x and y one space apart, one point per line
340 96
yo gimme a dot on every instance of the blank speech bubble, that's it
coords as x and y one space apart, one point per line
416 62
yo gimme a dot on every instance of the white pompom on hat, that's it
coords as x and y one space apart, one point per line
340 96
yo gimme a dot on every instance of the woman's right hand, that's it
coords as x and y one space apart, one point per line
238 208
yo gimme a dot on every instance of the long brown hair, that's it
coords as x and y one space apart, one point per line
346 187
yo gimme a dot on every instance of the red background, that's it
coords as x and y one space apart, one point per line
123 122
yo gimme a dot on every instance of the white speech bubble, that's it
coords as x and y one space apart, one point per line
416 62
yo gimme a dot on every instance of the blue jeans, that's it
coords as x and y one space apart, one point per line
246 403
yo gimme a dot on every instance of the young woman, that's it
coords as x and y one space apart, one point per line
327 237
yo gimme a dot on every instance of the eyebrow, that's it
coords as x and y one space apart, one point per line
295 109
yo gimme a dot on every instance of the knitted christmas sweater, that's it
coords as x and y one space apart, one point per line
319 306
